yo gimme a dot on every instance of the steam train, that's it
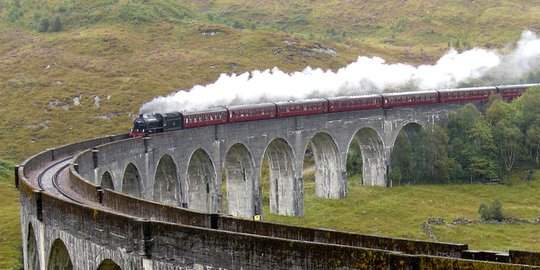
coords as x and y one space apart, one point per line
155 122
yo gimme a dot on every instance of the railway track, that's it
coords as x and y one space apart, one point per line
47 179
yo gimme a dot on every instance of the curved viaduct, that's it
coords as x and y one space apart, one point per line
184 168
157 202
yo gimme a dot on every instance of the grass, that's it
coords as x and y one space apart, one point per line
127 52
401 211
125 66
10 230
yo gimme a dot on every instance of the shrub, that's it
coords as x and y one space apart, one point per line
135 13
238 25
14 14
56 24
44 25
491 212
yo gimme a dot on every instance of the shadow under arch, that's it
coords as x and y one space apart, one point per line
31 249
108 264
329 181
107 181
131 183
285 192
166 186
240 180
200 175
59 256
373 156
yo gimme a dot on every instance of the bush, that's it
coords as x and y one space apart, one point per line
492 212
43 25
56 24
14 14
135 13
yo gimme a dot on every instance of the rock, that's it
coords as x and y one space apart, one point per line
436 221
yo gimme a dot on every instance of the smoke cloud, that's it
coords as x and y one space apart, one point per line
365 75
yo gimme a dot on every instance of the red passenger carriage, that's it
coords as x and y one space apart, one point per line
512 91
205 118
410 98
304 107
351 103
251 112
465 94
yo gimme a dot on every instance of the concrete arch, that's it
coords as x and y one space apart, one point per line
108 264
131 183
166 184
59 256
107 181
240 177
200 175
31 249
329 182
373 156
285 191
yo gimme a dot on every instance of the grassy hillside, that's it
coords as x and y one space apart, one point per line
87 73
124 65
126 52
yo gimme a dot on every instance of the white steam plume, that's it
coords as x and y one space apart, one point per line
366 75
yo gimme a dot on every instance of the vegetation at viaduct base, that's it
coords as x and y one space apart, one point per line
473 145
73 70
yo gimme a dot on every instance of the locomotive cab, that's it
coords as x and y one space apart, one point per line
146 124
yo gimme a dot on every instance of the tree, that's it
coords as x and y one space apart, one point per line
43 25
471 143
56 24
438 147
509 139
401 159
354 159
529 106
528 118
481 167
480 151
497 111
533 141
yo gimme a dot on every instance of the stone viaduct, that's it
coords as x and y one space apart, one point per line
184 168
185 199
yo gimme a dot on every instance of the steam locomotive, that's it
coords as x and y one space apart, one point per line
155 122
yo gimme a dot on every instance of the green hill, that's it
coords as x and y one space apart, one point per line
72 70
126 52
